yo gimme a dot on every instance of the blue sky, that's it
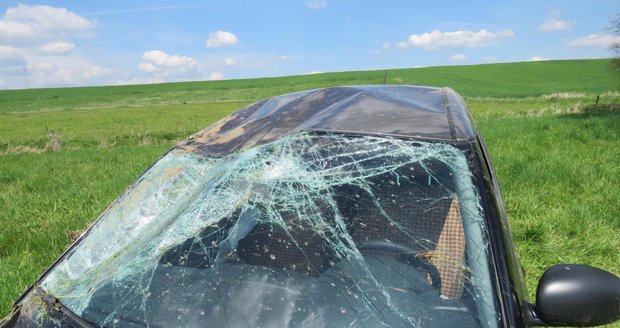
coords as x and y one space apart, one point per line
77 43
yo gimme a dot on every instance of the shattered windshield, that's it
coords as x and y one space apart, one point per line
310 230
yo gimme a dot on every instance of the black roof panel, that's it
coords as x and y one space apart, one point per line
401 111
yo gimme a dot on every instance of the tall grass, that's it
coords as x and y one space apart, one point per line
559 176
108 127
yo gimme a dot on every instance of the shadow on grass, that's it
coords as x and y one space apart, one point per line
601 111
607 116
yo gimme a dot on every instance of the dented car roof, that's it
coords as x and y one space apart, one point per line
405 111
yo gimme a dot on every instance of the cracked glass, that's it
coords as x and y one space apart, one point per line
314 229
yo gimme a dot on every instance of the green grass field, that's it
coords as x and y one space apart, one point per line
65 154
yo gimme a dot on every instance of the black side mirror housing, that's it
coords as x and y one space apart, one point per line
577 295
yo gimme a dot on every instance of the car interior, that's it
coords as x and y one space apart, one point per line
392 251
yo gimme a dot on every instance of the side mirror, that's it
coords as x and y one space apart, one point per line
577 295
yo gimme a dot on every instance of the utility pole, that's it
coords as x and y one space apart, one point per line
26 77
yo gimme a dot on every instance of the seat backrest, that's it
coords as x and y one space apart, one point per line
420 213
449 255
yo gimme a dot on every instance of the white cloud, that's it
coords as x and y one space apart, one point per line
536 58
316 4
12 71
554 23
402 45
157 61
284 57
26 24
457 58
56 48
216 76
163 66
251 63
490 59
42 67
385 48
64 71
457 39
137 80
72 75
594 40
221 39
94 71
148 67
39 40
230 62
10 56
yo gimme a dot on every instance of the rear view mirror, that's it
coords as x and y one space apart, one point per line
577 295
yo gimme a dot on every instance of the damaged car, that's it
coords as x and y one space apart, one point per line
363 206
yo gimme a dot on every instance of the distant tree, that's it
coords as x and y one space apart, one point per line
615 46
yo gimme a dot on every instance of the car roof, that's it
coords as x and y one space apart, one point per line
400 111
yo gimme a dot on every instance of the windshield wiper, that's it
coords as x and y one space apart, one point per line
56 309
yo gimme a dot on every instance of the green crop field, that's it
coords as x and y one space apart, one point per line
65 154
